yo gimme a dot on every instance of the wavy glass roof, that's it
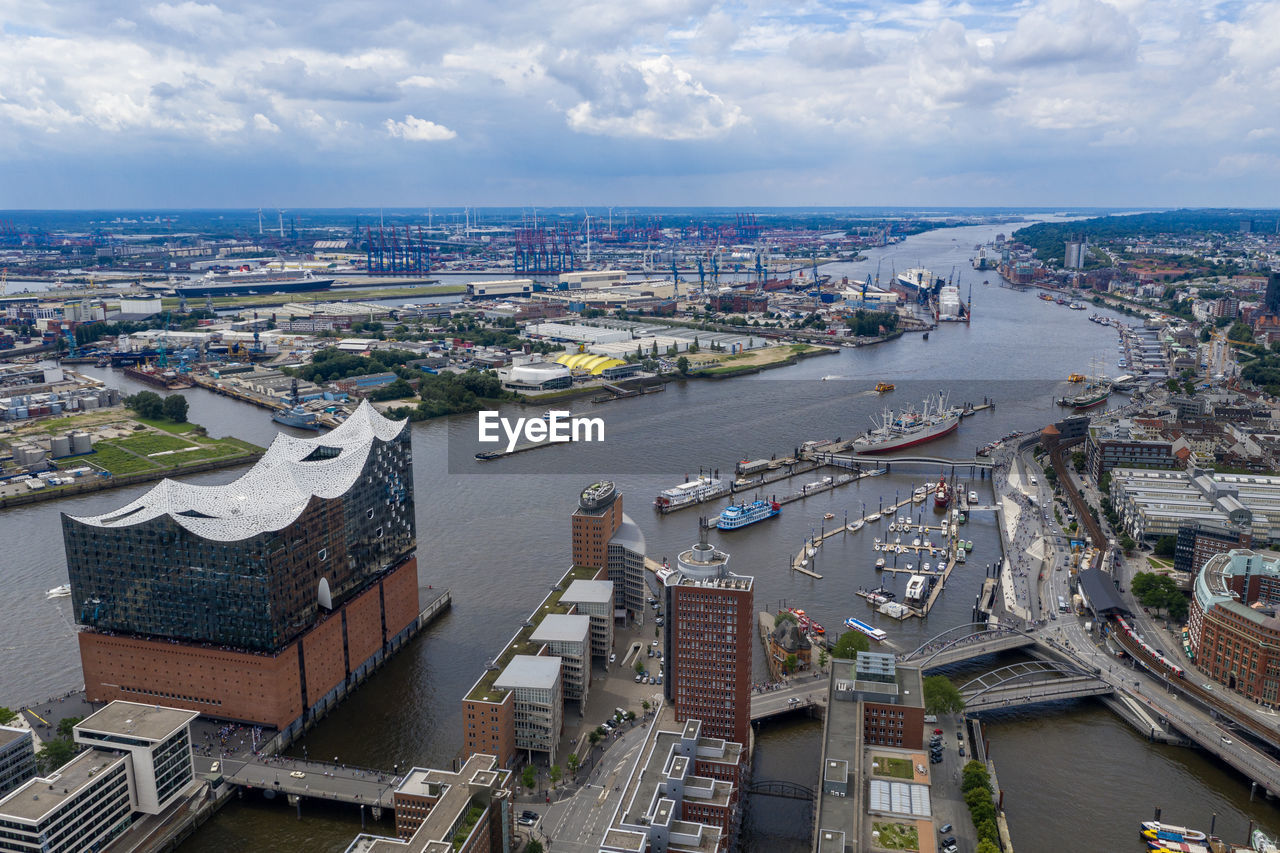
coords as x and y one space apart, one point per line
270 495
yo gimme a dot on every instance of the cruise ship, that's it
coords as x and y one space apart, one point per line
898 430
245 283
703 488
740 515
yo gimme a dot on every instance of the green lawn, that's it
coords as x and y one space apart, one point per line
111 458
899 768
897 836
148 443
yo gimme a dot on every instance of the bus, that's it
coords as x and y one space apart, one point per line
1062 605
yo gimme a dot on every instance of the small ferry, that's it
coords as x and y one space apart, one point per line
1155 830
61 591
828 516
883 387
973 497
874 633
741 515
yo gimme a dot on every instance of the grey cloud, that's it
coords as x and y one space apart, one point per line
294 79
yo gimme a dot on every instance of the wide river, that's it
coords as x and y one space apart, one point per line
497 534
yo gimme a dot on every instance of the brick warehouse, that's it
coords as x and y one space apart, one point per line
263 600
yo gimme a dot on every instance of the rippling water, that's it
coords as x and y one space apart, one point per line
497 534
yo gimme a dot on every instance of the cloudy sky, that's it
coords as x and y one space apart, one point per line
248 103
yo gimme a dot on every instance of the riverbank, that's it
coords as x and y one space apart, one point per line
755 361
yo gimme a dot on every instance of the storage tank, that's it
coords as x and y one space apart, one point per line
60 446
90 402
80 442
27 455
55 408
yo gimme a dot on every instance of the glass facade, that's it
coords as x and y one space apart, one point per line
258 592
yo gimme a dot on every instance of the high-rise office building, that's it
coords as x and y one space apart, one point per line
708 641
260 600
605 537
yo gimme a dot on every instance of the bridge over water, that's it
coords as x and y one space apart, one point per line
1031 683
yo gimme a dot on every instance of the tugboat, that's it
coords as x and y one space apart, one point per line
942 494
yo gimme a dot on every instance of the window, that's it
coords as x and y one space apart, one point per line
324 554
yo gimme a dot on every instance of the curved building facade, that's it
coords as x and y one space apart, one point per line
260 599
1232 628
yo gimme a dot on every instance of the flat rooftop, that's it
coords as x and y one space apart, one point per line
589 592
530 671
42 795
568 629
148 722
8 735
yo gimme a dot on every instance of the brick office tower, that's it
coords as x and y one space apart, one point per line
604 537
708 642
263 600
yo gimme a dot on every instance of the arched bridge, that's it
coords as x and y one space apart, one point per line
964 642
776 788
1029 683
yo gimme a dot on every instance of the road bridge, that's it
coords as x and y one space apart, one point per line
1030 683
307 779
809 695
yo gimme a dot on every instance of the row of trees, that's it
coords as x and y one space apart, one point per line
149 404
979 797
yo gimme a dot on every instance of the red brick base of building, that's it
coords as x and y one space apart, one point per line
265 689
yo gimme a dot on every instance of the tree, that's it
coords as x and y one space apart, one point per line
594 737
792 663
571 761
1172 385
529 776
682 365
147 404
66 726
535 846
941 696
55 753
975 775
1126 542
639 666
986 846
849 644
1165 546
645 705
786 616
6 716
175 408
555 773
1077 460
1240 332
629 716
823 657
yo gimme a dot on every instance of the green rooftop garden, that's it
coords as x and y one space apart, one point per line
897 836
484 689
898 768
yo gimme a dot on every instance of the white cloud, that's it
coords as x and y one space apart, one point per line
418 130
1056 31
264 124
189 17
651 98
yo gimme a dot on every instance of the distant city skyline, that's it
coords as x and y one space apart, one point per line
189 104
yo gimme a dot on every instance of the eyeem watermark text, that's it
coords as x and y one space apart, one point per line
553 427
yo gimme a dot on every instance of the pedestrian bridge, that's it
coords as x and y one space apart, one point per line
1031 683
809 695
965 642
845 459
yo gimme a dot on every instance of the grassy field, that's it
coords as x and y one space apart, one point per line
897 836
111 458
152 442
898 768
167 426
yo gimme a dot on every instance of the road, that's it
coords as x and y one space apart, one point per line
806 691
578 824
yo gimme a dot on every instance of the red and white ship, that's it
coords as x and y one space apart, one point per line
942 494
895 431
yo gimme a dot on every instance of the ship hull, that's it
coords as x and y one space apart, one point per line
907 440
303 285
